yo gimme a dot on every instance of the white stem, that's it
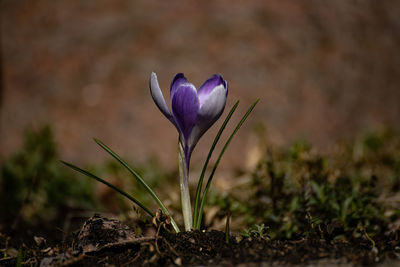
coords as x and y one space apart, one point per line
184 184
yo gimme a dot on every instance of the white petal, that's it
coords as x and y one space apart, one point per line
209 113
158 97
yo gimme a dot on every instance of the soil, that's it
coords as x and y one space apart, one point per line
109 242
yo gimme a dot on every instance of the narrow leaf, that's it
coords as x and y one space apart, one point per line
137 202
141 181
200 182
227 230
199 218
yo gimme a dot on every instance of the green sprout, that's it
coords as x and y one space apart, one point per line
258 231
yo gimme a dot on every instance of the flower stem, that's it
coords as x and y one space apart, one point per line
184 184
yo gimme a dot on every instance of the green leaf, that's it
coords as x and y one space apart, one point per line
200 182
227 230
137 202
199 218
141 181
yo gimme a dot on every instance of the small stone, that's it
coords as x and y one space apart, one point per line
40 241
98 231
178 261
154 258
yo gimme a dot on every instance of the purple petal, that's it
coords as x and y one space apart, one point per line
185 106
209 113
178 80
209 85
158 97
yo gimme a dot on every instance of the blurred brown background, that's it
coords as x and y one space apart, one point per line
324 70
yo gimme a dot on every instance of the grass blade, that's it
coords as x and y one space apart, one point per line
200 212
137 202
227 230
200 182
141 181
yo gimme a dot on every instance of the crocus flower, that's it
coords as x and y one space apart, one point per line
193 111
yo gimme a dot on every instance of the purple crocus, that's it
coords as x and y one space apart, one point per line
193 111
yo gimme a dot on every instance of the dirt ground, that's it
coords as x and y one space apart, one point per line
108 242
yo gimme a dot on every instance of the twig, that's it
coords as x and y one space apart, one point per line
121 244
